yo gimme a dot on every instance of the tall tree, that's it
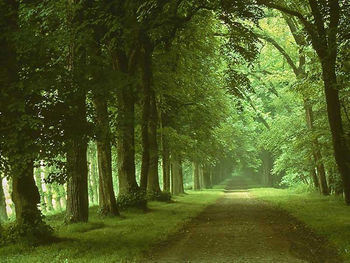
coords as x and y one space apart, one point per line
323 31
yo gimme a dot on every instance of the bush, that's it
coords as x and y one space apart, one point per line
32 235
135 199
159 196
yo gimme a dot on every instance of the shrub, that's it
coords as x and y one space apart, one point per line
159 196
135 199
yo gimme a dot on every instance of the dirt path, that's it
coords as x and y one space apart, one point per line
239 228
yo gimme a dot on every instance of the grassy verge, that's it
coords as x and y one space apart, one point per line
327 216
114 239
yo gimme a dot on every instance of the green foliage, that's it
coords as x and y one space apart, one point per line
33 235
133 199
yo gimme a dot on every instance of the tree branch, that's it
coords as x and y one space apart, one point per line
281 50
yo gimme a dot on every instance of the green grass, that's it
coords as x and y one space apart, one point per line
327 216
122 239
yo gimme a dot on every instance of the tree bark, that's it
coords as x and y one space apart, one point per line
3 213
153 177
206 180
77 185
126 130
25 196
341 150
321 173
149 170
107 200
77 170
196 184
176 177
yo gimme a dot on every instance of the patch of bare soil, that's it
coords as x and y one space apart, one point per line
239 228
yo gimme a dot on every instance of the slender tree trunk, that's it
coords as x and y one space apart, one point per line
153 177
39 185
321 174
3 213
145 133
48 194
206 177
267 165
25 196
57 197
176 177
107 201
314 178
195 168
63 196
166 165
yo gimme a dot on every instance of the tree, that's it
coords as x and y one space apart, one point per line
323 31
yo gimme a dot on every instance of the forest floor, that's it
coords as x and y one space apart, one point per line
241 228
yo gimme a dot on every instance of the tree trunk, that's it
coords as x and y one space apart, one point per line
3 213
25 196
341 150
153 177
57 199
321 174
126 131
39 185
48 194
195 168
314 178
166 165
77 171
146 110
176 177
267 165
206 181
107 201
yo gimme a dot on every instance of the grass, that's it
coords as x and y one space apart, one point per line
327 216
122 239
